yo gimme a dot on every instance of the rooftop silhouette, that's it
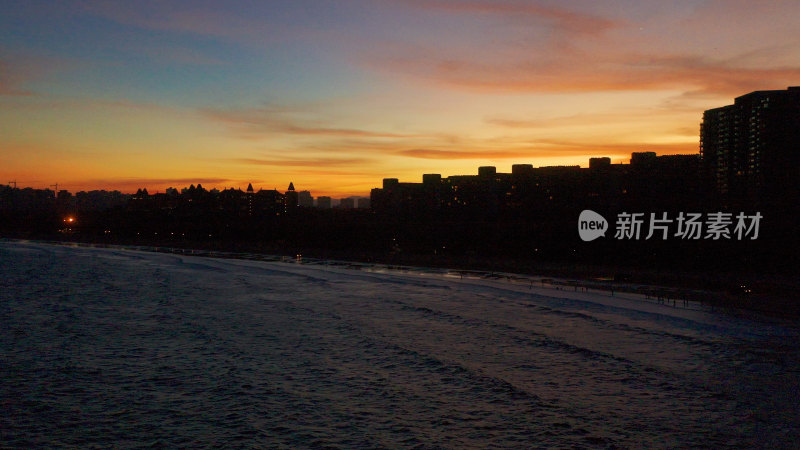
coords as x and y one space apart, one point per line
529 213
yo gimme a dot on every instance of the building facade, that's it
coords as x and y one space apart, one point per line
751 149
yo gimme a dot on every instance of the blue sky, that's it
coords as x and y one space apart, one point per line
335 95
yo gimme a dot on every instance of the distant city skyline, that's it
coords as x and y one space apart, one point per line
336 96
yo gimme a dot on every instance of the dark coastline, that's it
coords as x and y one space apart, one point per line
775 295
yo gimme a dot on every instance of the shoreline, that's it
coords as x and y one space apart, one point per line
668 287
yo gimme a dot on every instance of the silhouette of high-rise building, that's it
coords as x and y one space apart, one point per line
431 179
641 159
305 199
324 202
487 171
292 199
363 202
671 181
751 149
522 169
599 163
250 194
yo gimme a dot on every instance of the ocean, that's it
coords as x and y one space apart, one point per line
121 348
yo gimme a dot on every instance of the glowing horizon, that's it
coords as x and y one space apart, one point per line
336 96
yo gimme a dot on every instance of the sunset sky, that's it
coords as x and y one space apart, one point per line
336 95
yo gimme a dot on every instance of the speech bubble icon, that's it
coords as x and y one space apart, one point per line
591 225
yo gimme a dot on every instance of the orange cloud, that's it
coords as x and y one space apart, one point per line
262 122
622 126
593 149
562 18
589 73
308 162
584 52
550 149
427 153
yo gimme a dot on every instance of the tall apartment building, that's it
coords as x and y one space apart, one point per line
751 149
